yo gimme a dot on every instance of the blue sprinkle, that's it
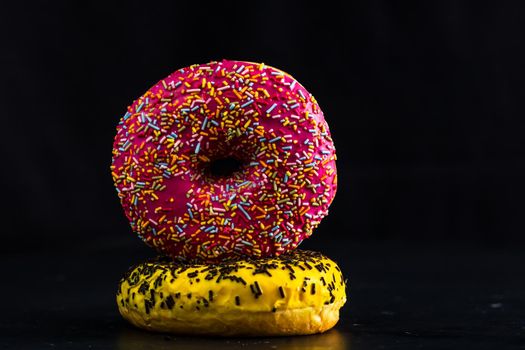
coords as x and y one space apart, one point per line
153 126
247 103
269 110
198 148
246 243
275 139
140 107
245 212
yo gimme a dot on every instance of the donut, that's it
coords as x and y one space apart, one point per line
299 292
256 123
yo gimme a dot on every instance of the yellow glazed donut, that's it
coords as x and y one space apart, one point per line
299 292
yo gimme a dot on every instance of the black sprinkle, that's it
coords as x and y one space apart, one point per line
312 288
274 309
170 302
188 296
152 293
281 292
143 288
237 300
254 292
210 295
259 290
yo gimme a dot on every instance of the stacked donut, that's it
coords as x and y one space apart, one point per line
225 168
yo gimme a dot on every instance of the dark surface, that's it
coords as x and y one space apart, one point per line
401 296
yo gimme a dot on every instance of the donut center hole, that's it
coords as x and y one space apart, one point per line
224 167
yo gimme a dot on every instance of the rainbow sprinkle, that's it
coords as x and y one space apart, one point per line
255 113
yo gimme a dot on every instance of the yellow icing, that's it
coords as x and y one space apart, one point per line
157 290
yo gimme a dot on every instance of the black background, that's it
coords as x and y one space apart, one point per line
425 102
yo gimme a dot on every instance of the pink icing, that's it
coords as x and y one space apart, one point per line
250 111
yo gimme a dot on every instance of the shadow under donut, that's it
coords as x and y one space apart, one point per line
135 339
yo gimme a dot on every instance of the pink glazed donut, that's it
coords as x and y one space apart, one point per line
256 117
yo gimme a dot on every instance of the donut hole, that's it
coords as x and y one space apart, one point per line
223 167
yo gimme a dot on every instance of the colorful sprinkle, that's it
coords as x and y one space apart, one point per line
167 139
